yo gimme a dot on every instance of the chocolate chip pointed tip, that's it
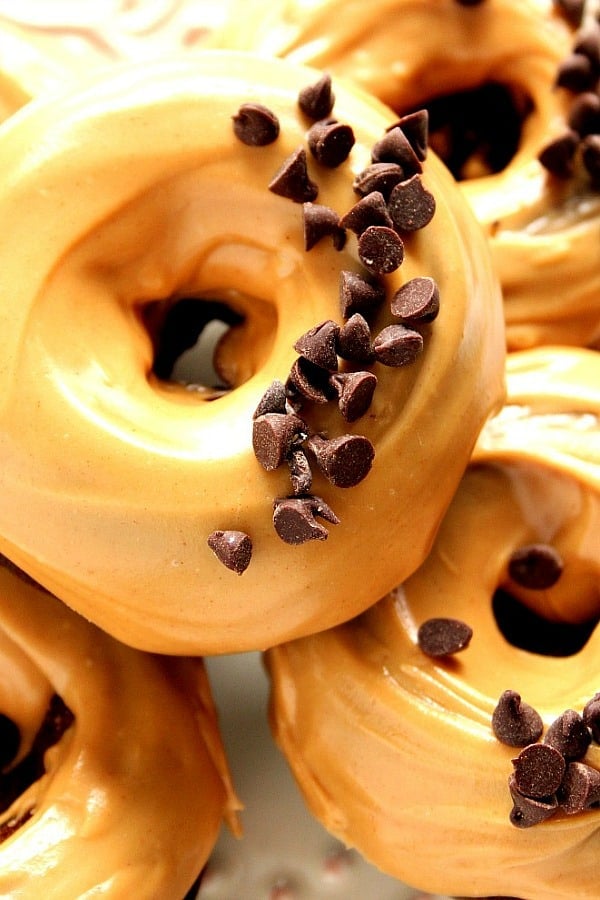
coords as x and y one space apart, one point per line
232 548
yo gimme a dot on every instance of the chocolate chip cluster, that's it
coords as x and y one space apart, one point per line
578 147
548 775
335 359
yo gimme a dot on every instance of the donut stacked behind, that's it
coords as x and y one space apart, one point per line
507 83
364 350
474 773
113 778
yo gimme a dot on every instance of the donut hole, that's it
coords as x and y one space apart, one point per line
187 336
477 132
29 767
526 630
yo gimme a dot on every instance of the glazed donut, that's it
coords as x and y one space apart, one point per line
488 73
165 198
405 748
113 780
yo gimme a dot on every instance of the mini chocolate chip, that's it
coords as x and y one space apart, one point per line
591 716
569 735
273 436
587 42
515 723
580 788
355 392
584 114
232 548
415 127
381 177
255 125
309 381
272 401
316 100
539 770
411 205
357 295
558 156
380 249
319 345
10 740
395 147
292 179
572 10
397 345
294 519
576 73
418 300
527 811
320 222
300 472
443 636
344 460
354 340
590 155
371 210
330 142
535 566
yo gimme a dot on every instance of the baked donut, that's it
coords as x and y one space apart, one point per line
113 778
189 518
489 74
406 748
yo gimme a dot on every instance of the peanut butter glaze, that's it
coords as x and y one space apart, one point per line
393 750
142 195
133 794
544 232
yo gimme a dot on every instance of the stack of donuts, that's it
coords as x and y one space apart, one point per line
299 356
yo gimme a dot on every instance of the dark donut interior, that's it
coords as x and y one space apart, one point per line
190 323
478 131
528 631
14 780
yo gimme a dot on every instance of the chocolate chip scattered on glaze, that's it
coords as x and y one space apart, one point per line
273 400
380 249
255 125
319 345
535 566
381 177
292 179
354 340
569 735
397 345
309 381
591 717
354 392
232 548
317 100
514 722
395 147
320 222
528 811
415 127
441 636
273 435
345 460
295 519
371 210
539 771
330 142
411 205
359 295
579 789
418 300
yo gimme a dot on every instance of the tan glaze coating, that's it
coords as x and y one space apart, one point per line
140 192
135 792
544 233
394 750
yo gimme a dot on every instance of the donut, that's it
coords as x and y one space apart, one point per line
222 515
496 78
113 778
418 732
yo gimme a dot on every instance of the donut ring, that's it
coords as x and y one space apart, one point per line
126 476
544 231
421 787
117 807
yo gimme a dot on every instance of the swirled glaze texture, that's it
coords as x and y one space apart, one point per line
393 749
